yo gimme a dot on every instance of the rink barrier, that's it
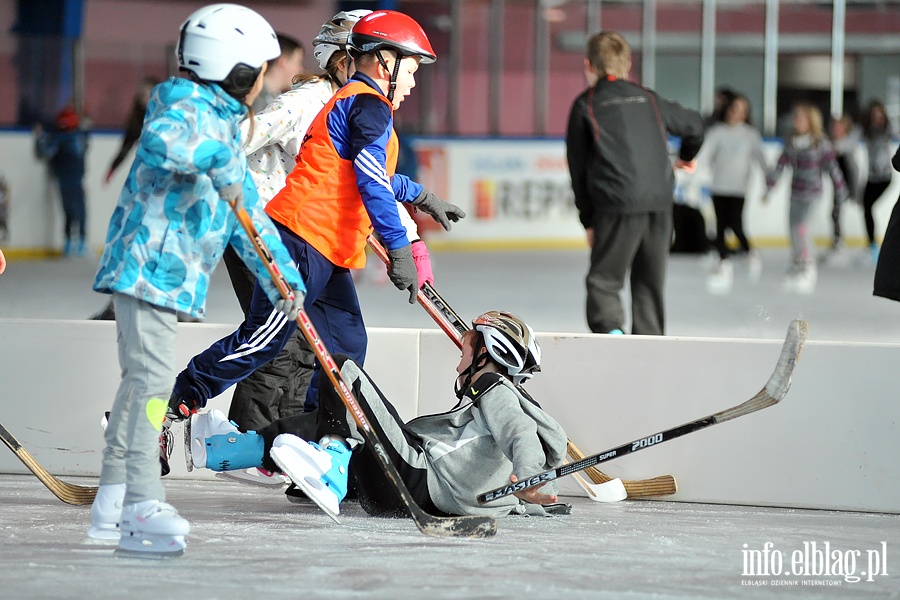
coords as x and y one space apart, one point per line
516 193
831 443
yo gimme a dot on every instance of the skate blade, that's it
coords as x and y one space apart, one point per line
151 546
311 492
241 476
92 541
188 457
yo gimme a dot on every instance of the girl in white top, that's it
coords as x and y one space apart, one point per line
279 129
732 147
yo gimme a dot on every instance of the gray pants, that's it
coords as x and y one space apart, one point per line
801 239
622 243
146 338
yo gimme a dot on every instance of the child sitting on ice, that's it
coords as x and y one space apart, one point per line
494 433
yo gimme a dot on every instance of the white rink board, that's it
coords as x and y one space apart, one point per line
514 191
831 443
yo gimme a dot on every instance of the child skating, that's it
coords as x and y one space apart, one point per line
810 155
342 188
166 235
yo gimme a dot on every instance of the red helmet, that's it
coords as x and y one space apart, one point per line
67 119
391 30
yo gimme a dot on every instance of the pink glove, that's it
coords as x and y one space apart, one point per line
423 262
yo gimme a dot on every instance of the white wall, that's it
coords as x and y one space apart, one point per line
831 443
516 192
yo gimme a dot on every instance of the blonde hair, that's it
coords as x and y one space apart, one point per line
609 54
814 116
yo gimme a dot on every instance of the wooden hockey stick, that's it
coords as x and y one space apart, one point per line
69 493
453 325
775 389
664 485
443 527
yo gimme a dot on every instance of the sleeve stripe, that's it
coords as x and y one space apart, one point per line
368 165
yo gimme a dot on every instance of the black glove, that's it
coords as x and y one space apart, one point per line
181 408
402 271
440 211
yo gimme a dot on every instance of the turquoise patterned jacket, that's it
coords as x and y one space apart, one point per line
170 226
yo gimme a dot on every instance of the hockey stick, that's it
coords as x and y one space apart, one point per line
454 326
663 485
775 389
69 493
467 526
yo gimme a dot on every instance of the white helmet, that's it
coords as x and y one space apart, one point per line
510 342
332 37
219 37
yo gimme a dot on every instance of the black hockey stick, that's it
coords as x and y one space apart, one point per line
468 526
454 326
772 393
69 493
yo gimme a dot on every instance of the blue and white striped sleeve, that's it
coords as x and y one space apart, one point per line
370 126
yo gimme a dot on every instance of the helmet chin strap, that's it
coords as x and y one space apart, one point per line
465 378
392 85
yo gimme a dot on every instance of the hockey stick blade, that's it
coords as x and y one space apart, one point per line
663 485
774 390
69 493
474 526
454 326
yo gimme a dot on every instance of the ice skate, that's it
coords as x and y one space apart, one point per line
216 443
106 512
255 476
152 529
801 279
835 256
754 266
166 443
320 470
720 281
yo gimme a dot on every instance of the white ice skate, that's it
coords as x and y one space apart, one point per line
106 511
802 280
255 476
320 473
200 427
720 281
754 266
152 529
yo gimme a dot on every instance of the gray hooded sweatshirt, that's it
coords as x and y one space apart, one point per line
495 431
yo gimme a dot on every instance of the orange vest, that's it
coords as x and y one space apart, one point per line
320 201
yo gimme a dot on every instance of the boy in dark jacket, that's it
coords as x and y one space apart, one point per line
617 148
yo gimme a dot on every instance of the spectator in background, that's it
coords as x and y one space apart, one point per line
845 138
887 272
731 149
2 262
617 149
877 135
810 155
65 147
281 71
134 123
721 101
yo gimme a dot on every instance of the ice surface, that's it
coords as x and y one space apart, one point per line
249 541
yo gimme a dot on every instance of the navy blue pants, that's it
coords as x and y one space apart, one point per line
331 303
